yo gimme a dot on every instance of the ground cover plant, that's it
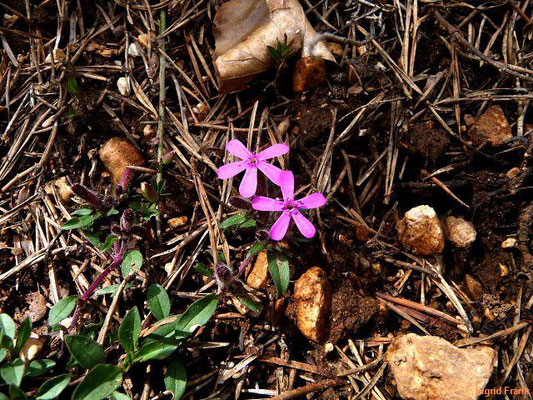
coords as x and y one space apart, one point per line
265 199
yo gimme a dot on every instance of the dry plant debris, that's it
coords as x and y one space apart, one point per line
428 103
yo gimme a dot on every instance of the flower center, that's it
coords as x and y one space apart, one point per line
252 161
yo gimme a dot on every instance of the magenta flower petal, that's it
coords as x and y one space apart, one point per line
314 200
238 149
273 151
249 183
229 170
271 171
304 225
279 229
261 203
287 184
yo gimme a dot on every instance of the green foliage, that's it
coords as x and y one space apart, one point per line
40 367
62 309
85 351
12 372
281 52
53 387
158 301
278 266
85 221
23 334
147 210
7 331
202 269
129 331
238 221
99 383
132 259
176 378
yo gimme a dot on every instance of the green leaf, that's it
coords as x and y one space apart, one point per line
7 330
53 387
72 86
80 222
85 351
40 367
3 354
12 372
119 396
109 241
158 301
62 309
111 289
234 220
278 266
202 269
15 393
83 211
250 303
24 334
99 383
111 212
133 258
249 223
3 396
197 314
256 248
155 350
93 237
176 378
129 330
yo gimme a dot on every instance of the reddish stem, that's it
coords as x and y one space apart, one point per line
117 260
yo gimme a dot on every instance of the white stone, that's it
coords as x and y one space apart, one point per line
420 231
429 367
460 232
123 85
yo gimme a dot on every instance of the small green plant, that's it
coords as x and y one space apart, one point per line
16 371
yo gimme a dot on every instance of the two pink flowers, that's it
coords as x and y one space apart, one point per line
287 205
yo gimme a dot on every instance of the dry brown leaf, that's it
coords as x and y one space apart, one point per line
245 29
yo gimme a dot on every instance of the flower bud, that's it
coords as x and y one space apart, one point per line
149 193
126 221
124 183
223 277
89 196
168 157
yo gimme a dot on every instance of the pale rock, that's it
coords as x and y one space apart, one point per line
474 287
59 56
312 293
257 274
123 85
177 222
491 127
149 131
460 232
62 187
117 154
509 243
430 368
31 348
420 230
134 49
145 38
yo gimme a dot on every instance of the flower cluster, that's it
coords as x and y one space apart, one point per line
287 204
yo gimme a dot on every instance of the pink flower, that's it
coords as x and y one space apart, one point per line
290 208
251 162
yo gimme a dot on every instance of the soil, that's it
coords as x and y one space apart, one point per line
372 175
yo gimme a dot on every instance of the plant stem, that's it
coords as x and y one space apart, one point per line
162 94
117 260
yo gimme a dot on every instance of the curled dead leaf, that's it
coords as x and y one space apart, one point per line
244 30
